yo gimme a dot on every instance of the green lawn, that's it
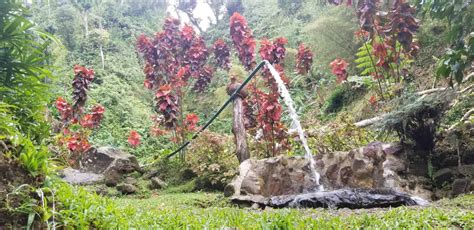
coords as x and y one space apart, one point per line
212 211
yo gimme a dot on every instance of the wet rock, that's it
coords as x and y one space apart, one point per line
442 177
274 176
460 186
157 183
127 189
343 198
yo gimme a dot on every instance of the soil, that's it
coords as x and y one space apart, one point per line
12 175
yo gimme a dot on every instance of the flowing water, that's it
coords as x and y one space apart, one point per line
294 116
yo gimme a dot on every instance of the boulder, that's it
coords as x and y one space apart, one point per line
281 175
112 177
75 176
103 159
105 164
443 176
157 183
127 188
358 168
460 186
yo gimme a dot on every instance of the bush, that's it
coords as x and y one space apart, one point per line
417 120
212 158
342 96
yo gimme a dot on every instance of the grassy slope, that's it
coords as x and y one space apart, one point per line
209 210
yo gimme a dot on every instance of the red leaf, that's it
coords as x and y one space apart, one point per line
134 138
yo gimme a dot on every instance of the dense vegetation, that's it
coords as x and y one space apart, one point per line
81 74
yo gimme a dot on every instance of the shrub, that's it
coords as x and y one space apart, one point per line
342 96
212 158
416 120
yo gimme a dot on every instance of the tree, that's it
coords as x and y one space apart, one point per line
176 58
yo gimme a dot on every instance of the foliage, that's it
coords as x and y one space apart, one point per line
338 68
342 96
134 138
213 160
416 120
459 15
339 135
75 124
243 40
304 59
23 92
173 58
77 208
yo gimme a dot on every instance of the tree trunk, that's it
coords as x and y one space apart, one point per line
86 23
238 129
102 56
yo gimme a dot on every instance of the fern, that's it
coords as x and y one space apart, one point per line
365 59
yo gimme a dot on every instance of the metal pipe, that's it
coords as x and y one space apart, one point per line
219 111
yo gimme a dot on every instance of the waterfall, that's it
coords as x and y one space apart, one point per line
294 116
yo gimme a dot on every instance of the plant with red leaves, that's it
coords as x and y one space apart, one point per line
76 136
304 60
82 79
243 40
65 110
338 68
191 121
174 58
134 138
221 54
203 79
167 104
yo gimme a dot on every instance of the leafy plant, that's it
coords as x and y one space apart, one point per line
459 56
76 126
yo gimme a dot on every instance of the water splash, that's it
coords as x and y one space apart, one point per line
294 117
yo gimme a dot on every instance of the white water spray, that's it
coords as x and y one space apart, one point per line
294 116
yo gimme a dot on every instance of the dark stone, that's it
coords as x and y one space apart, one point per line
443 176
229 190
343 198
156 183
112 178
187 174
127 189
74 176
460 186
150 174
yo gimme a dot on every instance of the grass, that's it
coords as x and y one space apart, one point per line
83 210
212 211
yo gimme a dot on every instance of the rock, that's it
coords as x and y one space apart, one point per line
460 186
150 174
466 170
127 189
130 180
112 178
443 176
343 198
157 183
281 175
74 176
359 168
107 158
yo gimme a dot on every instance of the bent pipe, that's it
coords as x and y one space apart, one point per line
231 98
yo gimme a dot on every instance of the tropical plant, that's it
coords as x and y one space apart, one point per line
76 125
23 92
